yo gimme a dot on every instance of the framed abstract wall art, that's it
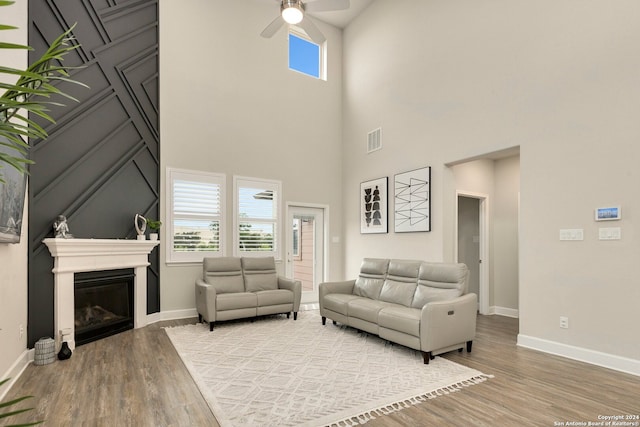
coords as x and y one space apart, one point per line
373 206
412 192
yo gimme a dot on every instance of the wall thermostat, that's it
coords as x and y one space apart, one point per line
610 213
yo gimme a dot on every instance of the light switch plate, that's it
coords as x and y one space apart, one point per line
610 233
572 234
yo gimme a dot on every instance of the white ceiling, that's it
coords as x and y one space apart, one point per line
342 18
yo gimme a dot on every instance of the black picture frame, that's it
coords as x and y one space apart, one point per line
374 206
412 201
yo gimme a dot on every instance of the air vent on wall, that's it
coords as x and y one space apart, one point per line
374 140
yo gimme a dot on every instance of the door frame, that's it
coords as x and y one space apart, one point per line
288 265
483 298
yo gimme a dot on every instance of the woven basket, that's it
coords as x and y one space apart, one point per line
45 351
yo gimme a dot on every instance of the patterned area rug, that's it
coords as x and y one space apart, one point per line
280 372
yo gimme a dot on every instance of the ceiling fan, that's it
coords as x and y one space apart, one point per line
293 12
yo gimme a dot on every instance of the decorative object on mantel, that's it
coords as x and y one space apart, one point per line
65 352
45 351
140 223
61 228
154 226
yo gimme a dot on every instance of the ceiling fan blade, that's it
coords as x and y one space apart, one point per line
273 28
312 31
326 5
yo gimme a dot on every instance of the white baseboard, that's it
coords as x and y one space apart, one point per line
171 315
15 371
611 361
504 311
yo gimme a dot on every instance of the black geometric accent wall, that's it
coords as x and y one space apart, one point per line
100 164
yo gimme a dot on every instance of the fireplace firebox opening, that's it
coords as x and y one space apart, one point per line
103 302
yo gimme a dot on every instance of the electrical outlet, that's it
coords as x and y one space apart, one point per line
21 329
564 322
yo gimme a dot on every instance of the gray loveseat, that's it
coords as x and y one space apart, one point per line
234 288
421 305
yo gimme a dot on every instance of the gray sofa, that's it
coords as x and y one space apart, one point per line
234 288
421 305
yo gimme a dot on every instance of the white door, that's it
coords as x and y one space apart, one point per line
305 249
472 237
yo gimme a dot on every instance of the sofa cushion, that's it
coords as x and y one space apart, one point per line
440 282
234 301
274 297
338 302
224 274
371 278
366 309
260 274
401 282
402 319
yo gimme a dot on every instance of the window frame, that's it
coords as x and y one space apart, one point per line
322 54
173 257
267 184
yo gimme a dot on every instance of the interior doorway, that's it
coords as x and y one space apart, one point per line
305 248
471 243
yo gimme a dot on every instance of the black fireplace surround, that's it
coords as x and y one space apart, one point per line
103 304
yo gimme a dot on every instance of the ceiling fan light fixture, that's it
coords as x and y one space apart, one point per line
292 11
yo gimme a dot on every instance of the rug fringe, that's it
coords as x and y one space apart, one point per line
407 403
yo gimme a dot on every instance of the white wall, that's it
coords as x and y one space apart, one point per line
13 257
561 79
231 105
505 234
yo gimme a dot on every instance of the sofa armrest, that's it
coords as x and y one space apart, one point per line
326 288
447 323
206 300
294 286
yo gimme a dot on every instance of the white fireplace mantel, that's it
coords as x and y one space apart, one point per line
79 255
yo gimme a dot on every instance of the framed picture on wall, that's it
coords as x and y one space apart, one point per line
12 195
412 192
373 206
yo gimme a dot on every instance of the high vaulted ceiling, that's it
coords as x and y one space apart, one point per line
342 18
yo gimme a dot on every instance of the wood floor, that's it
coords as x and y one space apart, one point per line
137 379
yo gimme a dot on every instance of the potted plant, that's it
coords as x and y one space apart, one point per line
154 226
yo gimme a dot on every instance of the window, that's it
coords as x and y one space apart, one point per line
305 56
295 252
195 215
257 217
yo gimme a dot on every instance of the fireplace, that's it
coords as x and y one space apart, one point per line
103 304
73 256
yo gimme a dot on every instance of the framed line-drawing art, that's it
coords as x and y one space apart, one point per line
373 206
412 192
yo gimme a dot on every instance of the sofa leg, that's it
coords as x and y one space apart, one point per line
426 356
288 315
324 320
210 326
469 343
335 323
295 315
199 318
